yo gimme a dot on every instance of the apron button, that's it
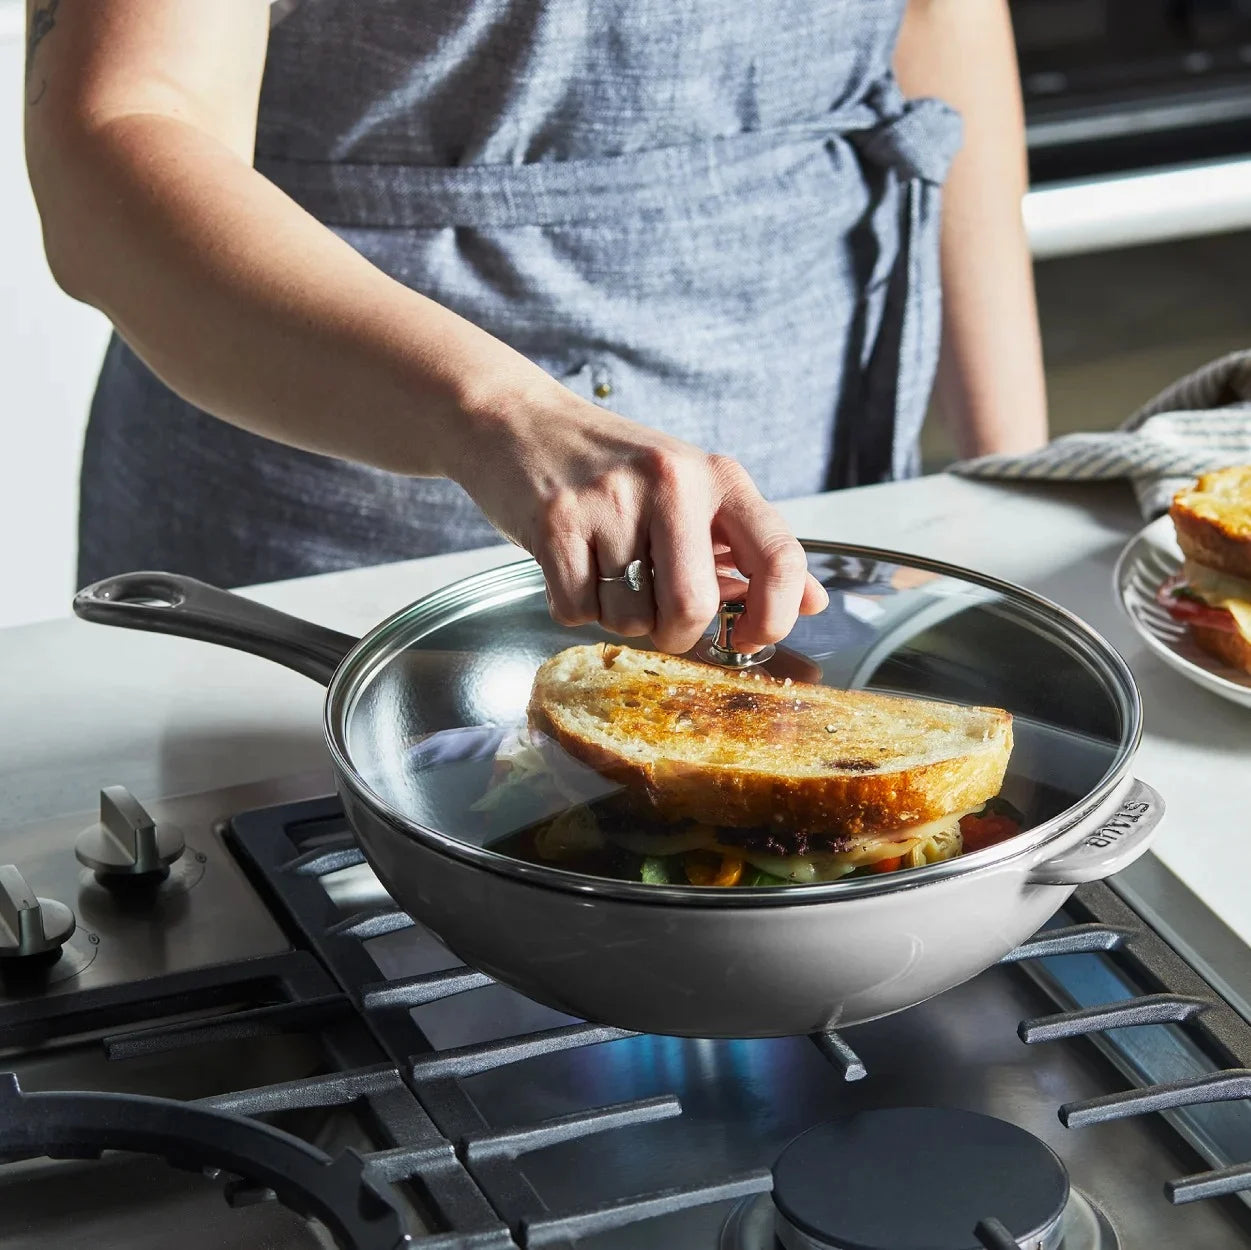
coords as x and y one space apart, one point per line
601 381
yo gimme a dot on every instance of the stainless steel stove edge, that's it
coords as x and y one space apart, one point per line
1190 927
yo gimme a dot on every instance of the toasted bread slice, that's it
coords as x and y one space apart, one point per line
1213 521
743 750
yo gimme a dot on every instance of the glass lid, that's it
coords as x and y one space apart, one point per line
926 715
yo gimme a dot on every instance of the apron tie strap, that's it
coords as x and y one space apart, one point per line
918 139
911 149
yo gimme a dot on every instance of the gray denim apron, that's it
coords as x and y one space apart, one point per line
718 220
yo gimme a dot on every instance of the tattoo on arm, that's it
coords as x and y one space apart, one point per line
42 20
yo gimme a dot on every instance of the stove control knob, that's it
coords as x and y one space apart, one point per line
127 844
30 925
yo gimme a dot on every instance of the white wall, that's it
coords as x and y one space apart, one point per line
50 349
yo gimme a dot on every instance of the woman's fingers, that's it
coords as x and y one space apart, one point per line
623 610
568 566
730 586
815 597
687 591
733 585
765 550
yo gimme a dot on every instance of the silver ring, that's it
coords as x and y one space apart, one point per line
632 578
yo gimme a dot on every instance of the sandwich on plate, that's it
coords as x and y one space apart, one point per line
725 777
1212 593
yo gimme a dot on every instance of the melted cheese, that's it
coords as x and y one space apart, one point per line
816 865
829 866
1219 590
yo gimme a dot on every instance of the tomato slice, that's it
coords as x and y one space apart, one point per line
1190 611
891 864
980 832
727 872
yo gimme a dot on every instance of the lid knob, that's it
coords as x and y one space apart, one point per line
30 925
127 843
719 648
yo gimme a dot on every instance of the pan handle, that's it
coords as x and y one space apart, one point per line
166 603
1114 845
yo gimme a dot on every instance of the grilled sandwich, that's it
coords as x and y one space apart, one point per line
1212 594
805 781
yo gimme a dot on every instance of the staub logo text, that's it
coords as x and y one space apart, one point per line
1112 831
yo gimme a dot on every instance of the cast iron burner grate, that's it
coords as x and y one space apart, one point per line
339 1192
273 842
470 1174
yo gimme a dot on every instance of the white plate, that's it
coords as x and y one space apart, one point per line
1149 559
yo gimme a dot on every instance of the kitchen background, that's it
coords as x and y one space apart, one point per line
1140 219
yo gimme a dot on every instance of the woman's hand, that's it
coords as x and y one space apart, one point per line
586 492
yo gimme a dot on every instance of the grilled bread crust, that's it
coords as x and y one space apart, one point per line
743 750
1213 521
1230 648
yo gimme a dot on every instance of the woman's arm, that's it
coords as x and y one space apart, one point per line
990 389
140 123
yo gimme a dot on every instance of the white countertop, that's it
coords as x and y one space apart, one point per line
85 706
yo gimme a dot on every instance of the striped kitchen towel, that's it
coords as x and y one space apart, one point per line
1200 423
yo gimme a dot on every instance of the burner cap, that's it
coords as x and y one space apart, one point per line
916 1178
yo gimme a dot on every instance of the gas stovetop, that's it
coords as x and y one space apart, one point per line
240 999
